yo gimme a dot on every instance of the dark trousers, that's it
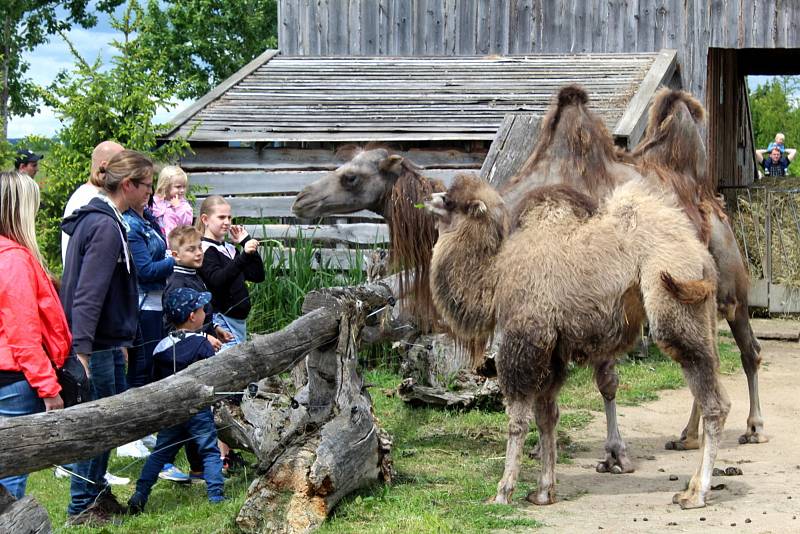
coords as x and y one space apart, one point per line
107 368
201 431
140 356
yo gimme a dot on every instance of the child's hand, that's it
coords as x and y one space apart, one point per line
223 334
251 246
237 233
216 344
175 201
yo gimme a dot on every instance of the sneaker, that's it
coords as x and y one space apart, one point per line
117 481
134 449
136 504
92 517
60 472
173 474
196 477
216 499
108 503
149 441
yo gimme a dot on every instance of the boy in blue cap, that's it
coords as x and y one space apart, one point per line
185 345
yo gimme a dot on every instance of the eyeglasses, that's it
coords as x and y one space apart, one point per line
148 184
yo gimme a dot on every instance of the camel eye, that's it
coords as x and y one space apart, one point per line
449 204
349 180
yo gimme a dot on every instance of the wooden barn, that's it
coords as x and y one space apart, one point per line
435 78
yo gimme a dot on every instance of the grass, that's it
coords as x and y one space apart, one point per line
447 464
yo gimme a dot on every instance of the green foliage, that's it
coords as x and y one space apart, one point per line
774 108
206 41
97 103
25 25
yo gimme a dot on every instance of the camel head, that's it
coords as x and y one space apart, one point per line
363 183
468 201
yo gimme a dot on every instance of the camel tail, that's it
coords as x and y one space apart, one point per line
688 291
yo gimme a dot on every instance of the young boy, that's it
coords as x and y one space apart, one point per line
183 308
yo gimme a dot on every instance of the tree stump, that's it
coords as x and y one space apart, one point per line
316 447
24 516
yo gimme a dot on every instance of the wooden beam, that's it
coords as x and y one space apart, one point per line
631 126
511 147
199 104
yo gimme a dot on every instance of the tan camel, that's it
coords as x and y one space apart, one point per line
573 284
672 154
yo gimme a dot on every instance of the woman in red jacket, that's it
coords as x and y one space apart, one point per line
34 335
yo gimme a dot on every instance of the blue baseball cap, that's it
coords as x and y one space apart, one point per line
181 302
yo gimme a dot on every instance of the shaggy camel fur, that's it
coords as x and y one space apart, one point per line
673 154
573 284
391 186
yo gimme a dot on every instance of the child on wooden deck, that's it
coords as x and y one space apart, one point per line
180 349
170 207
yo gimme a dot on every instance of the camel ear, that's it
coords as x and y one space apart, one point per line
476 208
391 164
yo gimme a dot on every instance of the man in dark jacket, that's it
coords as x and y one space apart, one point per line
99 295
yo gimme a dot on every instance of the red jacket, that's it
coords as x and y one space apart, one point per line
32 322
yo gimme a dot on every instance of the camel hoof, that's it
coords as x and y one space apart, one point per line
541 498
753 437
499 499
615 465
688 501
682 445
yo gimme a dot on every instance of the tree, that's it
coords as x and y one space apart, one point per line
206 41
25 25
96 104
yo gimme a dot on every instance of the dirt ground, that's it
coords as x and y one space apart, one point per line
765 499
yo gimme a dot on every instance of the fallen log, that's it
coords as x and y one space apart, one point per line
33 442
24 516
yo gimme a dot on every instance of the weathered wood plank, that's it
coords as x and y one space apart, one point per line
511 147
362 235
248 183
632 124
24 516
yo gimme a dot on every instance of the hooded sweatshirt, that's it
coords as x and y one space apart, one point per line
98 288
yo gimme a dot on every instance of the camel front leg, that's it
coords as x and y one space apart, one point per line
616 460
520 413
690 438
546 411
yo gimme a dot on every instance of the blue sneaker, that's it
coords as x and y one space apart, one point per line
173 474
216 499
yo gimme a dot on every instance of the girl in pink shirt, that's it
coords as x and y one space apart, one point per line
170 206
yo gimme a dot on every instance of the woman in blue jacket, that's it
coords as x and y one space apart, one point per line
153 267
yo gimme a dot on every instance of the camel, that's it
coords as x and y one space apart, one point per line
672 154
393 187
553 307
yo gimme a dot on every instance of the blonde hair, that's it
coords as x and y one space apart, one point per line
126 164
19 202
180 235
207 208
167 176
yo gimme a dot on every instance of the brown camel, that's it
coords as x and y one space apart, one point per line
393 187
673 154
573 284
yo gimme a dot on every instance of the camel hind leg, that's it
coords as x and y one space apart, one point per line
751 359
690 437
616 460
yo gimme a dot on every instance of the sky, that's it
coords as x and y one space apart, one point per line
48 59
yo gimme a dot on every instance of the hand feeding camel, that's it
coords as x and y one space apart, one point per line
554 307
672 154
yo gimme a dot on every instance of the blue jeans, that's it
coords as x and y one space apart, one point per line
201 430
18 399
107 369
140 356
237 327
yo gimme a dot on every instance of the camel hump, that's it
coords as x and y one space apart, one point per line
582 205
572 95
688 291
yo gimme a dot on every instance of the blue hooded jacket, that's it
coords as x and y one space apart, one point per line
148 248
98 287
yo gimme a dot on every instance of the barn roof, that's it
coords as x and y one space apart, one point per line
277 98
